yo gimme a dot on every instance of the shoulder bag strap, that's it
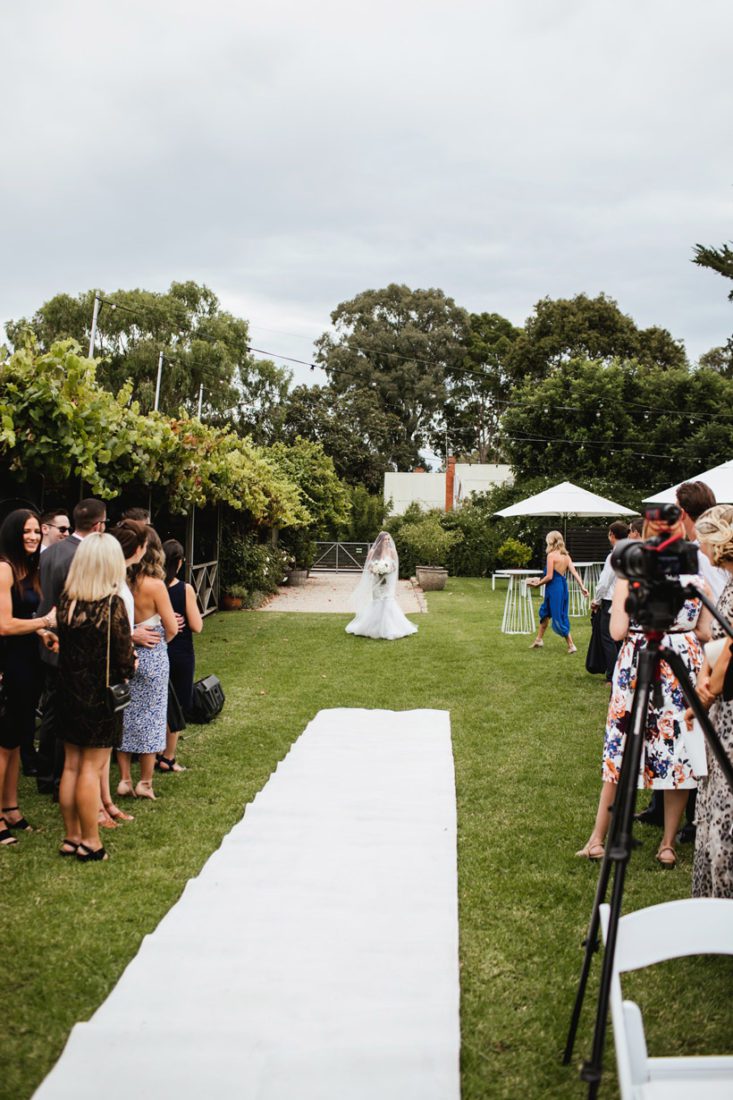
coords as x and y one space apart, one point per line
109 632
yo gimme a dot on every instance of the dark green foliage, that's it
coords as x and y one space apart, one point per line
367 516
587 328
247 563
352 427
399 345
716 259
202 344
477 390
645 427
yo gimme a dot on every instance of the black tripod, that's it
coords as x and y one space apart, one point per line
619 842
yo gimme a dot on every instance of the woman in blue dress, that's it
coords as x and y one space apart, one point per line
554 607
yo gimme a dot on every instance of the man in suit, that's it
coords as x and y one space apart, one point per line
89 515
602 599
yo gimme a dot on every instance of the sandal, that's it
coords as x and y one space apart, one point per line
21 823
104 820
125 788
593 852
572 649
91 855
537 644
170 765
116 813
6 837
668 864
144 789
72 845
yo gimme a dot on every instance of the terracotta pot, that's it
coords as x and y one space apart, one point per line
431 578
298 576
231 603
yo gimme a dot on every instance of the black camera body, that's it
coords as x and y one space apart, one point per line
653 569
655 561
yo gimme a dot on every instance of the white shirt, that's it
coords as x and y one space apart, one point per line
716 577
606 582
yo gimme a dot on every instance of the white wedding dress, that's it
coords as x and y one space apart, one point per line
378 615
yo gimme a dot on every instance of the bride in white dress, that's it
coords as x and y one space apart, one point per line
378 615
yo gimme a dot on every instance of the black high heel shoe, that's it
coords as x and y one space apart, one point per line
22 824
90 855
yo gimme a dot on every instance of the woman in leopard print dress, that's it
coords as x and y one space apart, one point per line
712 874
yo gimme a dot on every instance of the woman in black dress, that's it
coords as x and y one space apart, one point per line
95 649
180 651
20 594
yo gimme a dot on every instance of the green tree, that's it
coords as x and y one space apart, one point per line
478 389
643 427
203 345
352 428
306 465
716 259
587 328
398 344
55 419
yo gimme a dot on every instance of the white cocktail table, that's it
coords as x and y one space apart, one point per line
518 610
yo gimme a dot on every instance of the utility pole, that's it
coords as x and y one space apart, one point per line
157 384
95 315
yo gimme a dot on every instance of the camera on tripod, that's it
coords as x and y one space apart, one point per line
653 569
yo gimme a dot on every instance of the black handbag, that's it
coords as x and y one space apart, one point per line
207 700
118 695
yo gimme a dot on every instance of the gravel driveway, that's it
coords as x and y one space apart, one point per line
332 592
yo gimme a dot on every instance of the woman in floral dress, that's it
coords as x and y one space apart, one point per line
712 872
665 764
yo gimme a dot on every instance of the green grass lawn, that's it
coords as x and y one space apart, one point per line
527 736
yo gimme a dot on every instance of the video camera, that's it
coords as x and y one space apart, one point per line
653 569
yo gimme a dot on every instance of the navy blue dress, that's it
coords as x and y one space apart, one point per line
22 673
555 604
180 650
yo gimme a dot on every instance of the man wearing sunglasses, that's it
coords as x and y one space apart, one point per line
55 526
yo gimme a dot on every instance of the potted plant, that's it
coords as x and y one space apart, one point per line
301 547
430 544
233 598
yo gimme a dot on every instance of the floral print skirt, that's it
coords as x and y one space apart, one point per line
665 764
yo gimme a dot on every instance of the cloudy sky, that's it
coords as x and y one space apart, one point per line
291 155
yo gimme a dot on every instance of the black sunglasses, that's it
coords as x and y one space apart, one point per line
58 527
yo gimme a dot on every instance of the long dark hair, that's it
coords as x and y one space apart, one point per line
12 550
173 557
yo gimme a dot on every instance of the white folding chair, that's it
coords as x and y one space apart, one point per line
692 926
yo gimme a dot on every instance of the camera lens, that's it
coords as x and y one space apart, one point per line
663 513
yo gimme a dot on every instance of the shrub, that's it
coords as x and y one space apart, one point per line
429 541
244 562
514 554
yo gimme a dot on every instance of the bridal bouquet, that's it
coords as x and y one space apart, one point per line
379 567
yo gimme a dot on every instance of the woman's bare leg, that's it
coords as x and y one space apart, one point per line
87 795
67 792
674 807
10 782
544 623
603 817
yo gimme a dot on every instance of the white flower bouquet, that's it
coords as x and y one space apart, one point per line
380 567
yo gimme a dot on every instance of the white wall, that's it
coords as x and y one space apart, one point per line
427 489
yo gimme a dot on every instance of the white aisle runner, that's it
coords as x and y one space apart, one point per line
315 957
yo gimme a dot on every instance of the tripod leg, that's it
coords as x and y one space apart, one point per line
626 783
620 853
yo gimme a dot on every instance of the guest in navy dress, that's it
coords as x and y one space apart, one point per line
554 607
20 595
180 652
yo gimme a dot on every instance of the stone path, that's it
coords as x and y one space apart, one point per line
332 592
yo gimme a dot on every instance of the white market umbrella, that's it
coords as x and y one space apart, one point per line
720 480
566 500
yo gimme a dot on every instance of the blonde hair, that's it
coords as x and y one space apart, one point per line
97 569
555 541
715 528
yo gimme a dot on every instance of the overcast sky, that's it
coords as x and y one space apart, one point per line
290 155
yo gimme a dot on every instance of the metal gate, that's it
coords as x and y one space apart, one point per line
340 557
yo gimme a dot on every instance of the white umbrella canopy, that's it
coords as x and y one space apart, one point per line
720 480
566 499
